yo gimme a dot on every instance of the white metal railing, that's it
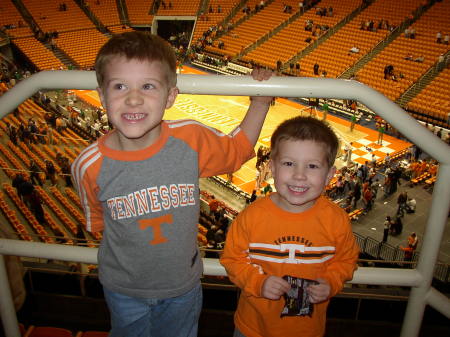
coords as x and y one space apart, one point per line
418 279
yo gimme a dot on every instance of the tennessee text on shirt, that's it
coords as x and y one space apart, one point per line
151 199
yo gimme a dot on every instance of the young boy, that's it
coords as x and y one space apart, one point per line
139 185
294 243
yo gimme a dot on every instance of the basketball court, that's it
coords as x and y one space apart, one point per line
226 112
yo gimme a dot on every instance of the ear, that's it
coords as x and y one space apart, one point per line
173 93
102 97
331 173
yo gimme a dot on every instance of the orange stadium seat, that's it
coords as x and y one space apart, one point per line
92 334
33 331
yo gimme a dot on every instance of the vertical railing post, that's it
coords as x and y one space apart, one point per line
7 309
429 253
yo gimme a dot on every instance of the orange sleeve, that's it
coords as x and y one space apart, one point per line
235 259
343 264
218 153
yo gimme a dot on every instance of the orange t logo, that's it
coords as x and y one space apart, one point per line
155 223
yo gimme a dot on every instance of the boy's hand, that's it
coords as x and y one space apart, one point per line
261 74
319 292
273 287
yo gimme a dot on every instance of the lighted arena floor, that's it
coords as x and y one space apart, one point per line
226 112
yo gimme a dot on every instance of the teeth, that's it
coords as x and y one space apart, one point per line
134 116
298 189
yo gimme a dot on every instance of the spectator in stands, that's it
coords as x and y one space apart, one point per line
413 240
411 205
25 189
367 197
397 226
157 258
446 39
253 197
354 49
213 205
36 207
12 133
316 69
50 135
438 37
325 109
267 189
386 228
34 173
53 43
17 181
388 71
50 172
374 186
401 202
65 170
357 192
59 123
303 153
440 62
409 252
407 32
409 57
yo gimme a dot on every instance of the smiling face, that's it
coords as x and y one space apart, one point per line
301 172
135 95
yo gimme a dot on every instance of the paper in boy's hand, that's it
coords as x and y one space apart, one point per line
297 300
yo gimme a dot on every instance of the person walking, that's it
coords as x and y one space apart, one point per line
386 228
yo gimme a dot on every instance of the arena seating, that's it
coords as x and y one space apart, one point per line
40 331
180 7
292 39
433 101
207 19
82 53
92 334
12 218
50 18
251 30
139 12
334 56
10 17
423 45
106 11
42 58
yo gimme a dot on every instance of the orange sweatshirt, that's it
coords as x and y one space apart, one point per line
265 240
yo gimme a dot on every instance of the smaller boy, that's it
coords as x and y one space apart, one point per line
294 243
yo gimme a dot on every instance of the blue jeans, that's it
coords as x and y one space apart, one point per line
238 333
150 317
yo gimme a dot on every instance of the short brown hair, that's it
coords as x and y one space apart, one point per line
137 45
306 128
